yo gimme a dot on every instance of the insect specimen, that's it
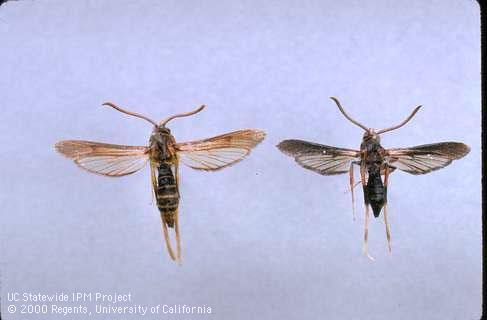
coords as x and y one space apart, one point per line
163 154
374 162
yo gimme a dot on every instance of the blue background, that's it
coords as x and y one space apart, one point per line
264 239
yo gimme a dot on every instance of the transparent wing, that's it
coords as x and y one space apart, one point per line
426 158
220 151
319 158
102 158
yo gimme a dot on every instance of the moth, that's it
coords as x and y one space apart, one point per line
374 162
163 155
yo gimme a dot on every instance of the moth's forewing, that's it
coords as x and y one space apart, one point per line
323 159
426 158
219 152
110 160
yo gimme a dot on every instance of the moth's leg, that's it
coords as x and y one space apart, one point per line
366 227
386 222
153 182
355 185
352 182
176 218
366 234
176 171
166 238
178 237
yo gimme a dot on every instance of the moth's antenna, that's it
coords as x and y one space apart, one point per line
129 113
347 116
402 123
180 115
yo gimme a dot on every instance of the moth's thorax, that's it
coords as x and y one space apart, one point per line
161 144
371 150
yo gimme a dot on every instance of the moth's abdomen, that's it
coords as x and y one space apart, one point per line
167 194
375 193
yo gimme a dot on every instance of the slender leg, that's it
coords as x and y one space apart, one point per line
386 222
366 227
176 222
354 186
178 239
168 241
153 182
176 172
366 234
352 182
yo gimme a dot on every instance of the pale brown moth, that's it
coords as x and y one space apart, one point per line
163 155
374 162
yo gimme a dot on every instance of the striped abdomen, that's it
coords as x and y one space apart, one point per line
375 192
167 194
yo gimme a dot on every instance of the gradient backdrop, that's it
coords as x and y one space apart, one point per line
264 239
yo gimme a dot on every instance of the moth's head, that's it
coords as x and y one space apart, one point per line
161 129
371 135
